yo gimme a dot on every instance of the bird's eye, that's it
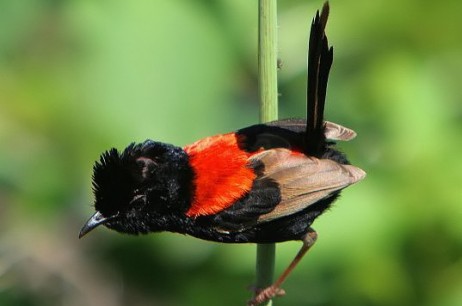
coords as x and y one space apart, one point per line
138 200
145 161
146 167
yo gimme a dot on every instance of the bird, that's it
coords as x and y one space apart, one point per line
264 183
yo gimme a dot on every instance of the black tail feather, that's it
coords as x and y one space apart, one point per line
320 58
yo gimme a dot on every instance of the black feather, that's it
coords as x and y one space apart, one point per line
320 58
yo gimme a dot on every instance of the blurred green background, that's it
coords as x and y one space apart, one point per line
80 76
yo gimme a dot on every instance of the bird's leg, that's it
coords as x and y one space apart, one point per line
274 290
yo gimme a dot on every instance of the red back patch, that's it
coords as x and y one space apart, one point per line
222 175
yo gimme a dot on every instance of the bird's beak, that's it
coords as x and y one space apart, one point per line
95 220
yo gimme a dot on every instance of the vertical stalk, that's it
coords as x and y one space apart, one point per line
267 60
268 93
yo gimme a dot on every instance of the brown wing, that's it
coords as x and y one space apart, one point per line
336 131
333 131
303 180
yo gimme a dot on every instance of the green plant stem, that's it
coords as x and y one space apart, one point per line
267 83
267 60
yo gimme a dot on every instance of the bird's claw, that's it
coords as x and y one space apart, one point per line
263 295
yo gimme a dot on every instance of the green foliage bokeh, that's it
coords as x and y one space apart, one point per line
79 77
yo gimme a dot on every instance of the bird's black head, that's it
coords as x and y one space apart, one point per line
137 190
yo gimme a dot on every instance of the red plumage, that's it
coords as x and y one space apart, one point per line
221 173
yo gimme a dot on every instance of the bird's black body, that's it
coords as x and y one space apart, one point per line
158 202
